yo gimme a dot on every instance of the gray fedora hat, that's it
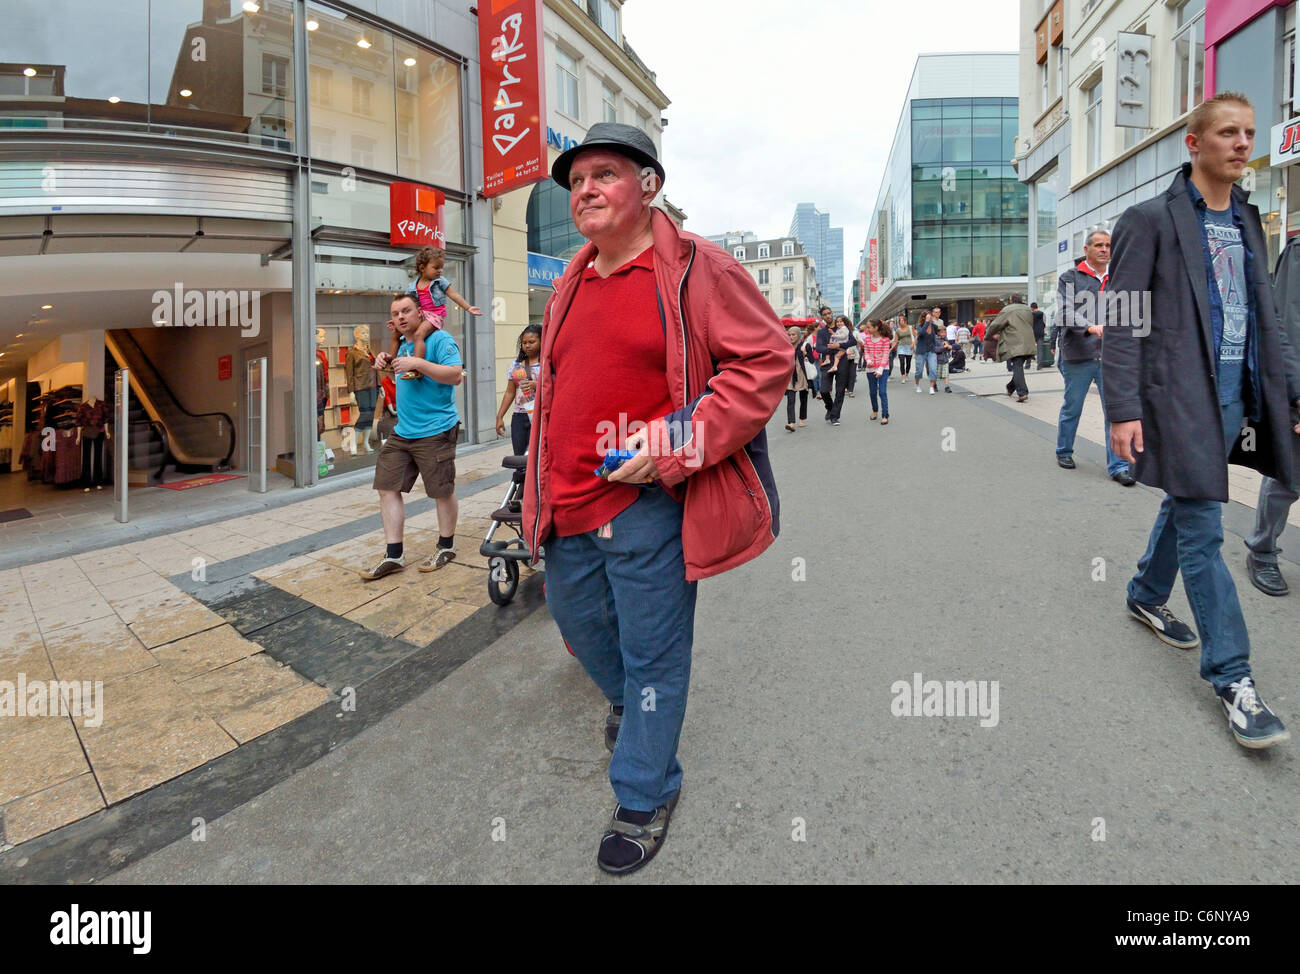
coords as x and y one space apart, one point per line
627 140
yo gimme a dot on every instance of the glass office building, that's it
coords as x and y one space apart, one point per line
950 222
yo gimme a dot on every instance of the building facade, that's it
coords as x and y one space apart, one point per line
949 225
825 244
592 75
1111 85
217 191
784 272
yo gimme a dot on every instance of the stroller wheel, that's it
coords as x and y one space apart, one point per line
503 579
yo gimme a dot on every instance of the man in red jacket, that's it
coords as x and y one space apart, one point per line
657 342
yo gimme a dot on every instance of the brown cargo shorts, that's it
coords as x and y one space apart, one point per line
431 457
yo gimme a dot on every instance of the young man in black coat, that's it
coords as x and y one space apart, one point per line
1197 372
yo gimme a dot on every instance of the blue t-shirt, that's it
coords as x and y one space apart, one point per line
425 407
1228 257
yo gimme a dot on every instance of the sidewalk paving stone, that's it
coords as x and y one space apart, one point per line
165 624
133 758
254 695
36 753
103 649
44 811
195 655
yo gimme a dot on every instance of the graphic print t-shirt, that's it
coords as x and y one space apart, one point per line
1228 257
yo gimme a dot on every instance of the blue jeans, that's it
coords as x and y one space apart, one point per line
879 384
1188 537
1078 377
627 611
927 360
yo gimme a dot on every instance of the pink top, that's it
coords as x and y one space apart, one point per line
877 351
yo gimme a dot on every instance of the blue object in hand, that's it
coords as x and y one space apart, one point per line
613 460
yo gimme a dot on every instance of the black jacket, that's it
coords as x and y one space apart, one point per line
1078 300
1165 378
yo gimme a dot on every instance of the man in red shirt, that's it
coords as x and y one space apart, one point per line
657 342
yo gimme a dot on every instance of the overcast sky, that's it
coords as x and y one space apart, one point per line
777 102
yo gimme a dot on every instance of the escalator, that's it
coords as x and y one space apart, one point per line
168 433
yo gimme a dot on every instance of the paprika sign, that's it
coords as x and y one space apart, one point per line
873 259
415 216
511 66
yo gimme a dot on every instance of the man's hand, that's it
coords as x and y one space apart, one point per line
1124 435
381 360
641 468
1095 330
406 363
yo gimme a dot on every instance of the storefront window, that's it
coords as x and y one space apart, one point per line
352 66
550 228
428 117
956 250
1046 196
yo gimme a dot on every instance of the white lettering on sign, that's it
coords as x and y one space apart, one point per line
421 230
508 51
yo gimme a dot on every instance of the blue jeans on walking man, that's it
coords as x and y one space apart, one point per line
625 608
1188 537
1078 377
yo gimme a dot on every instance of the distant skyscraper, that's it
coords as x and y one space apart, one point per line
812 228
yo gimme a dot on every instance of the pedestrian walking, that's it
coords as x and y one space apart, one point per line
834 342
876 353
977 336
943 357
1208 354
904 335
700 358
1275 496
1014 330
1078 297
963 338
926 346
1040 331
799 377
423 444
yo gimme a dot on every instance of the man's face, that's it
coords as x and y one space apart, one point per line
935 312
405 316
1097 250
826 315
1222 151
606 197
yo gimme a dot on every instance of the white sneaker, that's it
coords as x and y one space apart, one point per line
932 390
918 390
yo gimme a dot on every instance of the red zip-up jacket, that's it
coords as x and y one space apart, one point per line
728 361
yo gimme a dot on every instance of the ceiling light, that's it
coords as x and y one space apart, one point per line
363 44
113 99
185 93
409 62
47 307
251 7
30 72
19 335
312 25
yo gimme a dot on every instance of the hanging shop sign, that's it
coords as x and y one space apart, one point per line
873 257
1284 145
415 216
1133 81
513 93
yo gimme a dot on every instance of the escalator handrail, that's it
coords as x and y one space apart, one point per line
118 333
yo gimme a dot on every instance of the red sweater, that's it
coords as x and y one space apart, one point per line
609 377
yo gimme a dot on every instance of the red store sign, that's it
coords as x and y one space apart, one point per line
416 216
873 263
513 94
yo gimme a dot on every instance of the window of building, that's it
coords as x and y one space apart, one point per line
787 295
550 228
608 102
363 151
763 276
1288 76
566 83
1092 115
767 295
1047 192
606 15
764 251
362 92
1043 87
1189 56
787 248
275 75
787 274
643 121
429 116
322 86
739 253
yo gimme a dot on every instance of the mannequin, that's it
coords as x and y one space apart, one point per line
322 389
92 417
360 369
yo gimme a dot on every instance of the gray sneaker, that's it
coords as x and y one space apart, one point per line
444 556
385 567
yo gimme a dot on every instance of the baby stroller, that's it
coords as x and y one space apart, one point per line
504 556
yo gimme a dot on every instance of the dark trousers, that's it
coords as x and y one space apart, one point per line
837 381
92 460
853 376
521 428
789 404
904 365
1017 384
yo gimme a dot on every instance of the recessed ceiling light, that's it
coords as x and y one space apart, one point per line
185 93
312 25
19 335
363 44
251 7
409 62
113 99
30 72
47 307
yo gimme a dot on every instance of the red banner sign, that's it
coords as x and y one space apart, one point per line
873 262
416 216
512 71
224 369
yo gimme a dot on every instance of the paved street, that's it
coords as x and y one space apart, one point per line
973 563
